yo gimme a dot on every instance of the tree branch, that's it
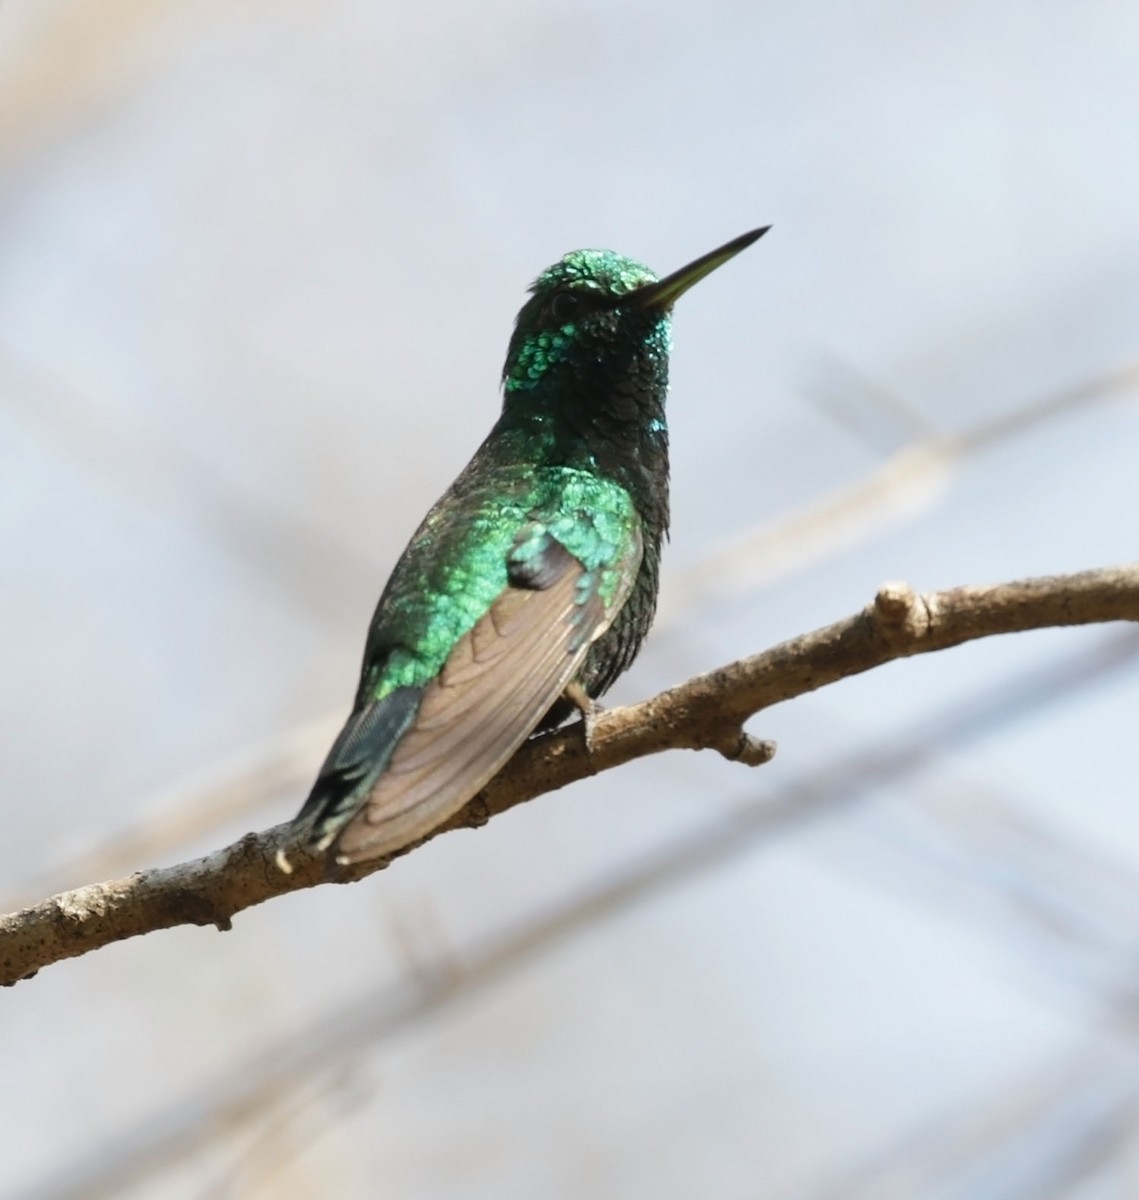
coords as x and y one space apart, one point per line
707 712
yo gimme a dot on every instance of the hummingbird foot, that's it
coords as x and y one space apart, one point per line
588 707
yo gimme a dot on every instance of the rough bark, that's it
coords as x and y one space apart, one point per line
705 713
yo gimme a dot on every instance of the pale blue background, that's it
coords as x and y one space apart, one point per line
258 264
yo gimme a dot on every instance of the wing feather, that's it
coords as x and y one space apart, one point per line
498 682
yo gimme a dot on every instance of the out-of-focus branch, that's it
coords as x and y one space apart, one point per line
707 712
908 481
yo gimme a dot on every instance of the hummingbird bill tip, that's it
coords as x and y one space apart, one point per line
752 235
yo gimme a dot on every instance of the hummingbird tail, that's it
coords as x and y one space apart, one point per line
357 758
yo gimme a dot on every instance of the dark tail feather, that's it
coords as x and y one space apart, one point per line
357 759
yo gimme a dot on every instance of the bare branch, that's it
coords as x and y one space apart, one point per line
707 712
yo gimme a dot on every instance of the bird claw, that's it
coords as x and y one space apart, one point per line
588 707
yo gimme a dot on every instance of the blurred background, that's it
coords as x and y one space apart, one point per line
258 267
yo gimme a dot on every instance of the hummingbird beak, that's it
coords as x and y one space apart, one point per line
665 292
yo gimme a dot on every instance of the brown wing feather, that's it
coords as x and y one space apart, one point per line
494 688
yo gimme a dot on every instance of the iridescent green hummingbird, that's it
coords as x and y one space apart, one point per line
531 584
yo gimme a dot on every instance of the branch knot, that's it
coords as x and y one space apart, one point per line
737 745
901 613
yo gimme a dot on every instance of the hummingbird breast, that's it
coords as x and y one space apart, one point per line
639 463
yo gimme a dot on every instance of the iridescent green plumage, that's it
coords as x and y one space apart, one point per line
458 562
535 573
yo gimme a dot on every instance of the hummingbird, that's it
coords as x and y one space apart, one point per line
531 584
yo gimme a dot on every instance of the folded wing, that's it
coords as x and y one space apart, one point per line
498 682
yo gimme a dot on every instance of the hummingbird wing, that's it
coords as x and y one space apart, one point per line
439 744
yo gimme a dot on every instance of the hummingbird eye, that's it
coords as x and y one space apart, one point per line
564 305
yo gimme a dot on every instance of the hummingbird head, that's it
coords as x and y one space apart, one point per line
596 332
